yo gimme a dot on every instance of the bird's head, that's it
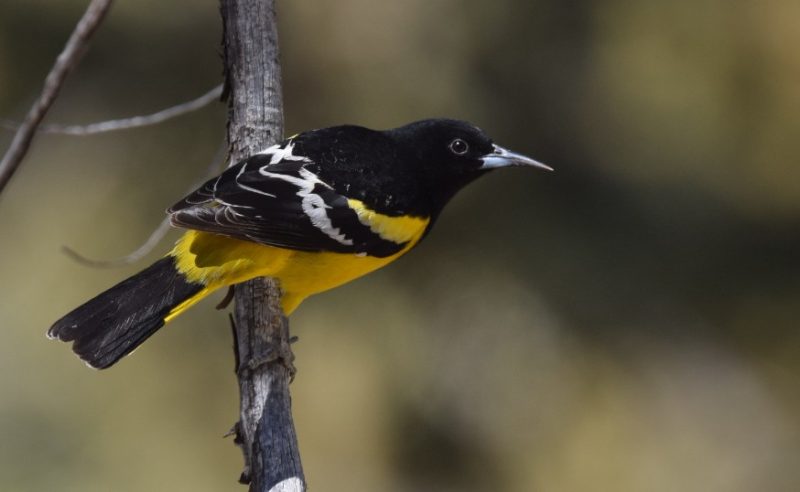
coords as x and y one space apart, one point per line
451 153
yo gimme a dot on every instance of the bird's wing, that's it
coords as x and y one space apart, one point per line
273 198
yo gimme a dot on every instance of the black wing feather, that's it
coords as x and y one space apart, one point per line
259 201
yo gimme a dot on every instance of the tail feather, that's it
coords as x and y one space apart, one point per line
113 324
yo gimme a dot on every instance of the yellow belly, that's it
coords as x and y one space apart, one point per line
218 261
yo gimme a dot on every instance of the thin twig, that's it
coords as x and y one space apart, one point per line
155 237
125 123
66 61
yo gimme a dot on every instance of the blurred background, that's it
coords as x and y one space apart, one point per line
627 323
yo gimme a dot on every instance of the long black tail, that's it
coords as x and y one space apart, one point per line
114 323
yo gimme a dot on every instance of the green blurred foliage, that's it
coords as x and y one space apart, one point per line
626 323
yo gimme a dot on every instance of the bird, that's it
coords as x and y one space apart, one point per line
315 211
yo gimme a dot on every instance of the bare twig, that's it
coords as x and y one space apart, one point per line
125 123
265 430
66 61
155 237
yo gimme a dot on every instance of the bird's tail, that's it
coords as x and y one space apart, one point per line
114 323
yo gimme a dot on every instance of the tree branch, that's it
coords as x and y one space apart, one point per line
155 237
125 123
66 61
145 248
265 430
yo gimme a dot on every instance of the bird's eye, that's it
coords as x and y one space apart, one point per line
459 147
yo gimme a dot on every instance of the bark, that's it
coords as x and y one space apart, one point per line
265 431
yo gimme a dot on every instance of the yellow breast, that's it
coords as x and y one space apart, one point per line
218 261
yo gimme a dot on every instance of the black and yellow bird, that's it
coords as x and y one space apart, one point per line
316 211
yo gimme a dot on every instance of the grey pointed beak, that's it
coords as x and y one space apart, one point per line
501 157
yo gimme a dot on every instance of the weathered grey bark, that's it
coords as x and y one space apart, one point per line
253 85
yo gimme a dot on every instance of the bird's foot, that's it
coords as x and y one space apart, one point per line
227 299
282 353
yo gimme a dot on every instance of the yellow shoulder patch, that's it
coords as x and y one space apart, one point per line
399 230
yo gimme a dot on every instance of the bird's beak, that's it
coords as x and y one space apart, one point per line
501 157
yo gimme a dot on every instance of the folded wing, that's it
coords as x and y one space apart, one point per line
274 198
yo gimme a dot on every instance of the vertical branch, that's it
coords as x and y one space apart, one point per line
255 120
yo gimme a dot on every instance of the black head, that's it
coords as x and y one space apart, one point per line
451 153
414 169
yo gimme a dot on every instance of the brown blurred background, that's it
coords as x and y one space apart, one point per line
627 323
